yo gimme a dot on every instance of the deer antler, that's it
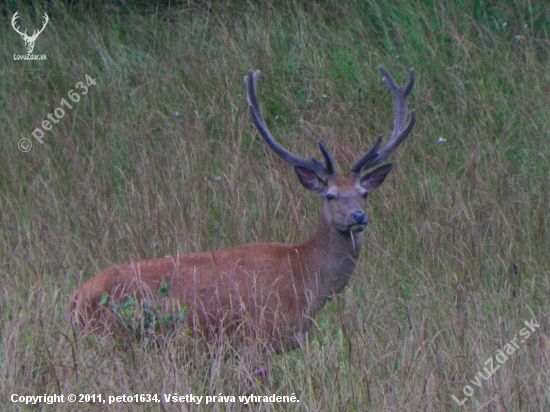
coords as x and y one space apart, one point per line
400 131
13 19
35 32
312 164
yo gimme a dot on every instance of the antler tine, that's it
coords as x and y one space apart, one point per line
367 157
312 164
36 32
46 20
400 130
329 166
13 22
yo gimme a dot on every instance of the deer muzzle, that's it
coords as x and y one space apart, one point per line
359 221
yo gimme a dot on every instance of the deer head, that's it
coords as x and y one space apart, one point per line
29 40
343 198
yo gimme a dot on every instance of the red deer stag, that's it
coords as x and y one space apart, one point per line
275 289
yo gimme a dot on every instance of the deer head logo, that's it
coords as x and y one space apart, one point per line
29 40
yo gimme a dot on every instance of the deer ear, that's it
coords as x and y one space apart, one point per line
375 178
309 179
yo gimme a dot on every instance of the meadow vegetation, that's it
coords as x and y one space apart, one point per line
161 158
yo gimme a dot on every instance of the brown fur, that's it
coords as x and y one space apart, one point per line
277 288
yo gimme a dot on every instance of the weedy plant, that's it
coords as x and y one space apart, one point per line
142 316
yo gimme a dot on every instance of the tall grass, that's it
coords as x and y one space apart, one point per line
160 158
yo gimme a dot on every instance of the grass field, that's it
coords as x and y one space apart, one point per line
160 158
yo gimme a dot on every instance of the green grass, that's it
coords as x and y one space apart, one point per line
160 158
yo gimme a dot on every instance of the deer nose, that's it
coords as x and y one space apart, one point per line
359 216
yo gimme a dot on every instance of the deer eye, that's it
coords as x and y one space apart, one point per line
330 196
365 195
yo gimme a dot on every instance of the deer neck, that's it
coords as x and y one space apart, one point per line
334 243
328 259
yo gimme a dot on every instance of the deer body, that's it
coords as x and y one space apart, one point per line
273 290
275 287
